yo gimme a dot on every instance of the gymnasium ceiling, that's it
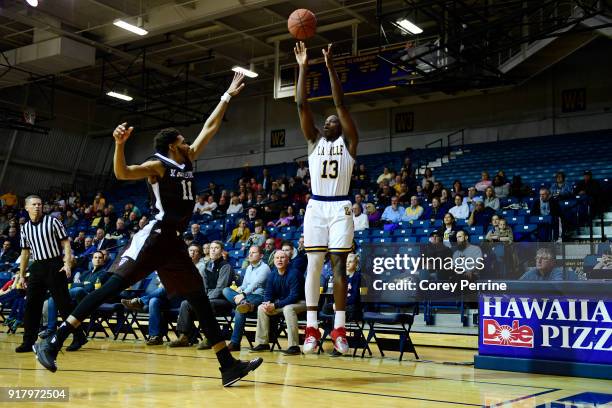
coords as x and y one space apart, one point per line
192 44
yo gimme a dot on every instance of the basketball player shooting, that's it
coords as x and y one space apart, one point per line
328 223
159 245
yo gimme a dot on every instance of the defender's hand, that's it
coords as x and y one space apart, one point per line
122 133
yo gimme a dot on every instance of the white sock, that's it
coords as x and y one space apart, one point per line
340 319
313 282
311 319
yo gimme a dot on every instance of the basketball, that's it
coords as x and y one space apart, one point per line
302 24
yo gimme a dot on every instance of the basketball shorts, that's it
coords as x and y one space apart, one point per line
328 226
162 250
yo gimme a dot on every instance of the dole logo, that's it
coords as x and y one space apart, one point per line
503 335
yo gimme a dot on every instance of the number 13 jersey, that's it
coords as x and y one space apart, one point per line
172 197
331 167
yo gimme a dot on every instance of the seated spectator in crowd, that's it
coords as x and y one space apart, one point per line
436 190
132 222
249 294
268 251
198 237
13 296
360 220
494 223
428 177
545 269
384 194
501 233
71 219
120 232
434 211
284 220
360 200
414 211
560 188
518 189
282 295
484 182
106 225
373 214
490 200
210 206
396 184
353 295
501 188
472 198
605 262
386 175
218 275
206 252
546 205
481 216
466 250
235 206
420 193
97 220
222 206
241 233
302 170
393 213
404 195
200 205
362 178
448 230
437 250
445 199
457 188
252 217
100 241
82 284
461 210
259 235
7 254
592 188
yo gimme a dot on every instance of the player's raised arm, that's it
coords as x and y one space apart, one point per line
213 123
311 133
349 130
134 172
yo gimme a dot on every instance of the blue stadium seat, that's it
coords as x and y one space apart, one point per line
411 240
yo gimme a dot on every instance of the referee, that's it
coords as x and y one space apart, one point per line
44 236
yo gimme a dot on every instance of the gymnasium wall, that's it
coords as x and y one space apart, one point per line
531 109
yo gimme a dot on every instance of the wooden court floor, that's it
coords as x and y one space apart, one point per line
108 373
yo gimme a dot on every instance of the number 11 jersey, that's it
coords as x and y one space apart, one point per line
331 167
172 197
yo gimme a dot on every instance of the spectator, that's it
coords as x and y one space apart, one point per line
434 211
206 252
99 202
457 188
494 223
445 199
353 295
268 251
362 176
12 296
393 213
501 233
210 206
484 182
560 188
71 219
283 220
251 217
259 235
466 250
198 237
7 254
502 189
481 216
428 177
200 205
302 170
218 275
241 233
222 207
235 206
414 211
282 295
360 202
472 198
437 250
373 214
384 194
386 175
360 220
592 189
546 205
100 241
490 200
249 294
266 180
396 183
120 232
518 189
404 194
448 231
545 269
461 210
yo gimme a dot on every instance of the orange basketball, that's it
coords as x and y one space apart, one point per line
302 24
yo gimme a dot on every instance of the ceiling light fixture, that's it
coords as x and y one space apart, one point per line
130 27
118 95
32 3
409 26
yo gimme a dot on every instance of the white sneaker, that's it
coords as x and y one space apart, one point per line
311 340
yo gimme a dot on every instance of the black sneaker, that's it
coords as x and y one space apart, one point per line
46 354
293 351
24 348
239 370
78 340
46 333
261 347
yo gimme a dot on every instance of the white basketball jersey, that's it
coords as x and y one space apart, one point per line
331 167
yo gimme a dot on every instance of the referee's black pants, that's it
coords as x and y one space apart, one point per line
44 275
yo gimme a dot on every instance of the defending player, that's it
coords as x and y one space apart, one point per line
328 223
159 245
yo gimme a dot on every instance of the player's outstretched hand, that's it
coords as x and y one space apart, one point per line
329 56
122 133
301 54
236 85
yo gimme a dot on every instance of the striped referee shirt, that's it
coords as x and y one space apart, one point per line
43 238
